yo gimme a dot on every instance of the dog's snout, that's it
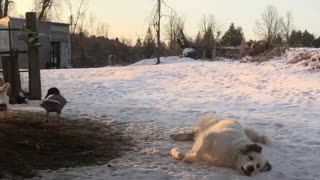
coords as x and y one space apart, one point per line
248 170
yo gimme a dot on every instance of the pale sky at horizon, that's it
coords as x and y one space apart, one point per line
127 18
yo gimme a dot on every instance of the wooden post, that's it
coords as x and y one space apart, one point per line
33 60
15 82
5 66
11 74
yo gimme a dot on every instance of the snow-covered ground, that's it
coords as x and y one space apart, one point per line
281 100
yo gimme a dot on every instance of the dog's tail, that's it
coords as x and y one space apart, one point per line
177 154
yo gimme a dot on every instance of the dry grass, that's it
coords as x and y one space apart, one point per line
27 144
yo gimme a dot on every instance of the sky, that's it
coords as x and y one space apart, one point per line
128 18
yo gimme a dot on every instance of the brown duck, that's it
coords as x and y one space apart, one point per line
53 102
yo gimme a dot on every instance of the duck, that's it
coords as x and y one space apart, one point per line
53 102
4 98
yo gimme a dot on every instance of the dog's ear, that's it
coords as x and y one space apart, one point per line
251 148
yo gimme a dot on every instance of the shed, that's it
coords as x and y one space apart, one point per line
55 46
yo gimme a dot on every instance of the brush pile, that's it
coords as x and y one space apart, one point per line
309 58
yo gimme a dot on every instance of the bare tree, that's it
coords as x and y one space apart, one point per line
81 30
102 29
208 22
1 9
209 32
76 17
173 29
76 20
156 16
126 41
269 26
46 8
287 26
4 7
92 21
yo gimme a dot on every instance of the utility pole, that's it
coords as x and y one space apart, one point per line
158 24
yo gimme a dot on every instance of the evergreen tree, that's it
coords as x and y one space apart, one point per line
308 39
139 43
295 39
208 36
301 39
198 39
138 49
186 43
316 42
233 37
208 43
278 40
149 44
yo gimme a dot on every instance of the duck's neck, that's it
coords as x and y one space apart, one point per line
5 87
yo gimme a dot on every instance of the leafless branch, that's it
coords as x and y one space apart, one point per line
287 26
269 26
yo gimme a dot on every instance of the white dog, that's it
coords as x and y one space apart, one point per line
225 143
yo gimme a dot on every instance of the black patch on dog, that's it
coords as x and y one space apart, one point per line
251 148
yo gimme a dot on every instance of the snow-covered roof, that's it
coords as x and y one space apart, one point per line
10 18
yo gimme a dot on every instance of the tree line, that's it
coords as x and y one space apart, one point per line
91 45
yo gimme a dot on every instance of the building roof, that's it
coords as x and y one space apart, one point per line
17 18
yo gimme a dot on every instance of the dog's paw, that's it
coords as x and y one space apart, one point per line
175 152
265 140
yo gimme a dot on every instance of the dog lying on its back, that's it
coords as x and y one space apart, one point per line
225 143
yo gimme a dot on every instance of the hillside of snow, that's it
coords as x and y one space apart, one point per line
282 100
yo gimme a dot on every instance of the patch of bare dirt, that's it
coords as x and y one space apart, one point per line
27 144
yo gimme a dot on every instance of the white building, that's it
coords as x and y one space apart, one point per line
55 46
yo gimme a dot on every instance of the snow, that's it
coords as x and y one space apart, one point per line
281 100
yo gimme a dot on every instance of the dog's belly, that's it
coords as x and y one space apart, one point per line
219 141
222 142
217 150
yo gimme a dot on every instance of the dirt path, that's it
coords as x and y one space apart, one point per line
27 144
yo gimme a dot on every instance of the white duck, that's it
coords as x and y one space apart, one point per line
4 98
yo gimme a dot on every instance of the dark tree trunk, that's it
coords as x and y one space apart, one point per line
44 8
1 7
6 7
